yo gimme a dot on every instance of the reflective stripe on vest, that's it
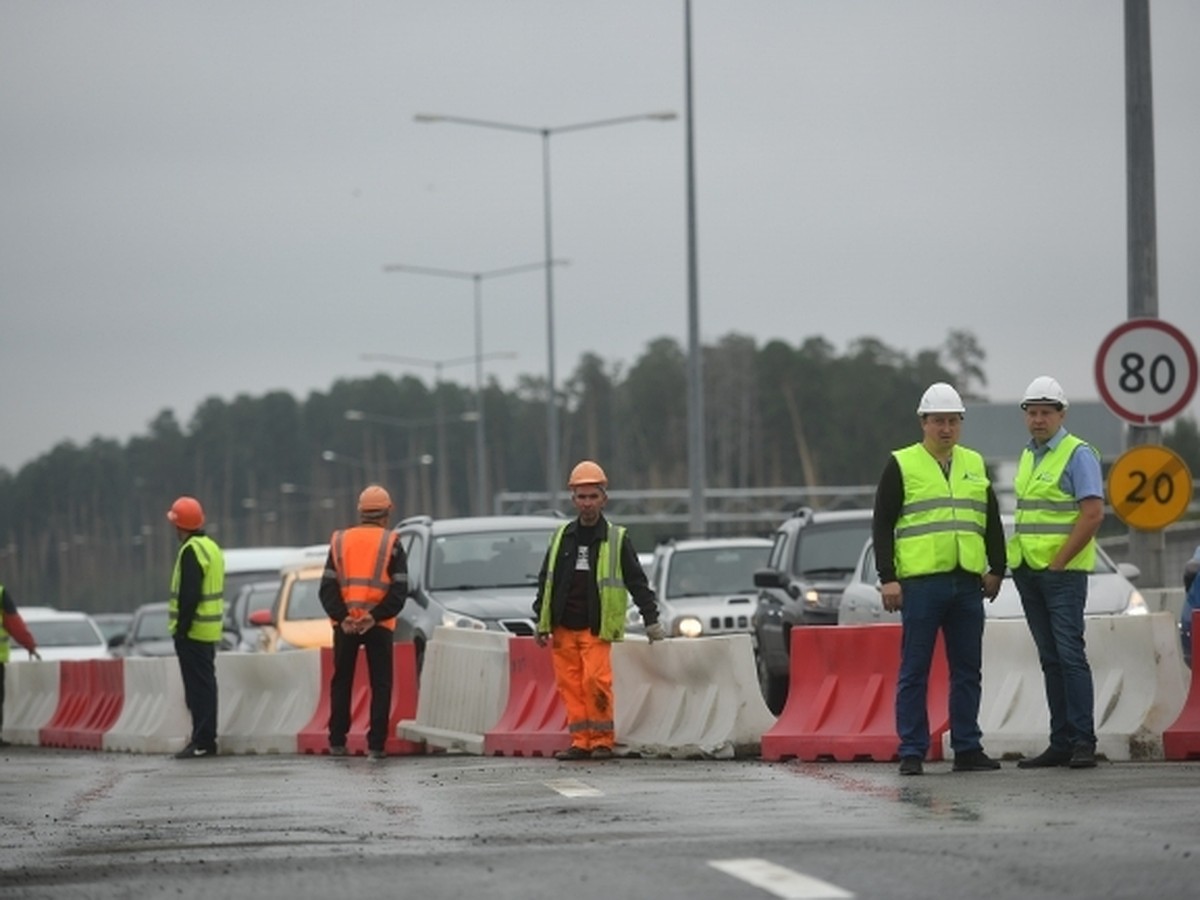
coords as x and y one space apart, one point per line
360 563
610 583
1046 514
942 520
210 611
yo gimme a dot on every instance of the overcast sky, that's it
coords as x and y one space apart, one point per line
198 199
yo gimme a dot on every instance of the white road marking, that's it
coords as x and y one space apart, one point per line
779 881
573 787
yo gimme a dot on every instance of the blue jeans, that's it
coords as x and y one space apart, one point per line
952 603
1053 603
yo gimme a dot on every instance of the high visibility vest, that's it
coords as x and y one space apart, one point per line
360 563
610 582
942 520
1045 513
3 631
210 611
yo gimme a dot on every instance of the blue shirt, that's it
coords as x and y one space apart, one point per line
1081 478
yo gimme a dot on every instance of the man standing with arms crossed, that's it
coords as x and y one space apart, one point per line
195 615
1060 507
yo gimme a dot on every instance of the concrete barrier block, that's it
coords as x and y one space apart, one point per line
265 699
463 689
154 717
689 698
30 699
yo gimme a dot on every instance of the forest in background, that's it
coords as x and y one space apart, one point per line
85 528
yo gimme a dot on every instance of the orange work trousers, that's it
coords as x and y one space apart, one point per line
583 674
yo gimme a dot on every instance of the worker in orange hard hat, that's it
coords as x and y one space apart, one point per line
195 619
580 610
363 590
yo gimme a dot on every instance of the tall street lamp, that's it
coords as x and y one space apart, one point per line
477 277
553 476
443 489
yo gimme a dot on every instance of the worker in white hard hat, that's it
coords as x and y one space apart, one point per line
1060 507
939 551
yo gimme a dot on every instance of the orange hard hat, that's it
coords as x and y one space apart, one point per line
186 513
587 472
374 499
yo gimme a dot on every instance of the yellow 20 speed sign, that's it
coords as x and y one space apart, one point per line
1149 487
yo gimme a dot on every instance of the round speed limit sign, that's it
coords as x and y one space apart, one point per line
1149 487
1146 371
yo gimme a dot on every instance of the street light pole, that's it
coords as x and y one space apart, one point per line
438 365
477 278
553 475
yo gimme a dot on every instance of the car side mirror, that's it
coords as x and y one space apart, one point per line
117 640
1129 570
769 578
261 618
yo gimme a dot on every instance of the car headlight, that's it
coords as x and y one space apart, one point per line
1136 605
458 620
689 627
812 597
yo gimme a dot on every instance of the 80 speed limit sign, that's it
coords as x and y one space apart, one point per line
1146 371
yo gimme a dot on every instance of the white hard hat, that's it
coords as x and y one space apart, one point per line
1044 389
940 398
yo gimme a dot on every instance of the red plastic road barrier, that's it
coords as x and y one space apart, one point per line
842 696
534 722
314 737
1182 739
90 696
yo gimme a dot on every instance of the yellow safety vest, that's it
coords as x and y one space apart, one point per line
942 521
610 581
210 612
1046 513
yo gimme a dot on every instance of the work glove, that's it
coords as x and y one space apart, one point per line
542 638
656 632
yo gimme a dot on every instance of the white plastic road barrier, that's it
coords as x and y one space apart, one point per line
30 699
463 690
154 716
264 700
689 697
1137 670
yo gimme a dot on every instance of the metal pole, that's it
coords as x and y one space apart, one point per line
481 503
552 473
695 397
1146 547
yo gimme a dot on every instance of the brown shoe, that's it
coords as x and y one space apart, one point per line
602 753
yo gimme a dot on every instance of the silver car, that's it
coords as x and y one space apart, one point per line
705 586
1110 592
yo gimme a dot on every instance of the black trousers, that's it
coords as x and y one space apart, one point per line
378 646
198 666
2 699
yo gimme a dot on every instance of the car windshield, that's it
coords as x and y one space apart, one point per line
152 626
714 570
65 633
487 559
305 602
831 548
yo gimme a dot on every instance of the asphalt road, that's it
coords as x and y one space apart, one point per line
106 825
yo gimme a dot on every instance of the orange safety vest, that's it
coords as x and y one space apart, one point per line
360 561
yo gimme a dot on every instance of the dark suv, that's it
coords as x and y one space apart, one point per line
479 572
812 558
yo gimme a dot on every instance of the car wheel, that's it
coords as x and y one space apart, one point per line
774 688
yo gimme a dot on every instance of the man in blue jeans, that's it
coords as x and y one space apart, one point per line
939 550
1060 506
